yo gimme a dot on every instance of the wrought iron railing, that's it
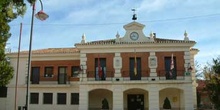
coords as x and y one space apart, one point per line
139 75
104 76
171 75
60 79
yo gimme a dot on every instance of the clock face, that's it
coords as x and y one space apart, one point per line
134 36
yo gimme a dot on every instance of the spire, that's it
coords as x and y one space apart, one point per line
117 37
152 36
134 15
186 38
83 38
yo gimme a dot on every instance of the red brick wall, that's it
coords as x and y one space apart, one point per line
55 65
144 62
109 62
179 60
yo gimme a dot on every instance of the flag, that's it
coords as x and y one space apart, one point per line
99 68
171 66
135 64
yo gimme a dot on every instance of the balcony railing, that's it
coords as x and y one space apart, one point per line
131 75
104 76
174 75
60 79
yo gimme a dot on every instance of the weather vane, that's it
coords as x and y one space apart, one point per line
134 15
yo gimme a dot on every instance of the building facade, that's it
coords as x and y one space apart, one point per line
130 72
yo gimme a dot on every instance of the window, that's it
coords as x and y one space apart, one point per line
61 98
170 73
48 72
35 75
100 68
34 98
3 91
48 98
62 70
135 68
75 98
62 75
75 71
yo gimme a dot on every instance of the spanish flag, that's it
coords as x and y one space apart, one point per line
171 66
135 64
99 68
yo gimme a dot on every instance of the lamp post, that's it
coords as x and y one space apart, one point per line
42 16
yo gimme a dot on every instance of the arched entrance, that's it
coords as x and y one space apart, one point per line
136 99
175 96
97 96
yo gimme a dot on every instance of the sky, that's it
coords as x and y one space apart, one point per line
102 19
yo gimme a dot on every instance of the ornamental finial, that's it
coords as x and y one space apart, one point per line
186 38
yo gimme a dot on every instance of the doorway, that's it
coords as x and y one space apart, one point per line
135 101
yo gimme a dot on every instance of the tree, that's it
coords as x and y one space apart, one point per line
212 82
10 10
166 104
199 71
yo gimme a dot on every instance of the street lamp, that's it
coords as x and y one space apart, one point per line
42 16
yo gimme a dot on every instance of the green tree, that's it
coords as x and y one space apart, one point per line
166 104
10 10
212 76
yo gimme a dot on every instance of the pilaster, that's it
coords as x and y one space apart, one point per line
83 98
152 62
117 65
188 97
154 98
118 98
83 59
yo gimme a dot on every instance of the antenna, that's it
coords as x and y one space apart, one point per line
134 15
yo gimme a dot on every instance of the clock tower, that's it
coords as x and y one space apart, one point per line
134 33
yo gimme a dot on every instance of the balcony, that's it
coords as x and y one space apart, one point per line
105 76
175 75
131 75
52 79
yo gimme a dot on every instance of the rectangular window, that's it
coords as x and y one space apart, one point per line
170 73
135 68
3 91
74 98
100 68
48 98
34 98
61 98
35 75
48 72
75 71
62 75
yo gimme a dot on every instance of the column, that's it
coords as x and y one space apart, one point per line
83 59
118 101
83 98
154 98
117 66
152 62
188 76
188 97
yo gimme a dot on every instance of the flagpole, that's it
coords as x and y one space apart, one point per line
18 57
99 68
135 63
171 66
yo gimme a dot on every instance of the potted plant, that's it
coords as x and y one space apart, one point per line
105 105
166 104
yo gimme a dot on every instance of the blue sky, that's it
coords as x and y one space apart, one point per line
102 19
